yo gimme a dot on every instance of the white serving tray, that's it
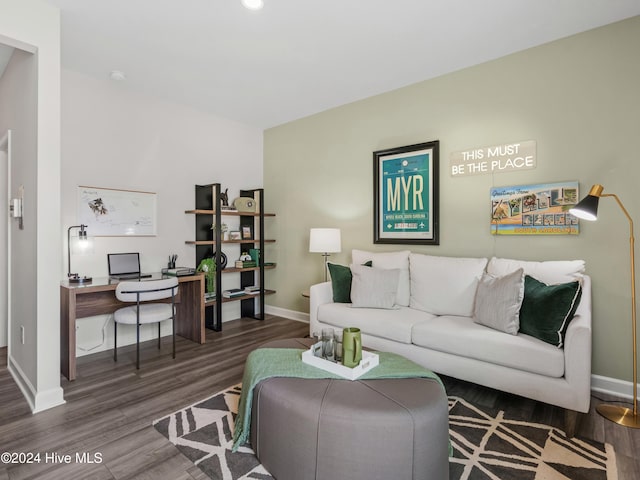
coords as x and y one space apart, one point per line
369 361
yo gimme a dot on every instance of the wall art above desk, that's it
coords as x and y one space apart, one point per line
111 212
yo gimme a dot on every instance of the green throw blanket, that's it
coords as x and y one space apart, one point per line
287 362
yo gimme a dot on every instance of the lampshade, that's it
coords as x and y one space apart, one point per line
325 240
587 208
82 244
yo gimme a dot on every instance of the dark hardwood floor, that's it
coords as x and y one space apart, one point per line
110 408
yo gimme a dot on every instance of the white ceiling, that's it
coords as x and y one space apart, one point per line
298 57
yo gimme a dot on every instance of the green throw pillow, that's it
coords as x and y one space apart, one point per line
341 281
547 309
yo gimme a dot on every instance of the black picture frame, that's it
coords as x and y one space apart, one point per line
406 194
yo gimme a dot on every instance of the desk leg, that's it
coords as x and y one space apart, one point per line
190 310
68 333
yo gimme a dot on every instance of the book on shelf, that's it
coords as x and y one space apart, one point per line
245 264
179 271
233 292
252 290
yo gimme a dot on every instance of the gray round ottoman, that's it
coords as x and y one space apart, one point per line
387 429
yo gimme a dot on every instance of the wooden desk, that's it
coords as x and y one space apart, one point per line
98 298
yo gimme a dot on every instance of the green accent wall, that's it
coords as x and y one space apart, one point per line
578 98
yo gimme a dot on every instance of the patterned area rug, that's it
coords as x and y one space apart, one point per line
487 445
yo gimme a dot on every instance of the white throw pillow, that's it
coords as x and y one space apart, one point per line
373 287
444 285
389 260
498 301
550 272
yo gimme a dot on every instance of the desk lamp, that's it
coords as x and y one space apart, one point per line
83 246
587 209
325 241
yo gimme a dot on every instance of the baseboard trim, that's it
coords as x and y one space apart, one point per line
290 314
612 386
38 401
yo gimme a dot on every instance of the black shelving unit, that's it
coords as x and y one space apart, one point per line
208 244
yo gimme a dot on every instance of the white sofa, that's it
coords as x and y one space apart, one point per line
433 324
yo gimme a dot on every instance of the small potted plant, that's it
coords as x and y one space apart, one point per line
208 267
224 229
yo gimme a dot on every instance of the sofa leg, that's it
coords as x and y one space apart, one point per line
571 418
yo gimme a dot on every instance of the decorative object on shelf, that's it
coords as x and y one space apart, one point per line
406 194
224 198
587 209
224 229
247 233
223 260
325 241
208 266
83 245
254 253
235 235
245 204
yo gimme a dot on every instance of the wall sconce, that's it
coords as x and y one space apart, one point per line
83 245
325 241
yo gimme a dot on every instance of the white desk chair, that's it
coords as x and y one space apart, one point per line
142 313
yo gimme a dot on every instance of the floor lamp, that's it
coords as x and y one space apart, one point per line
587 209
325 241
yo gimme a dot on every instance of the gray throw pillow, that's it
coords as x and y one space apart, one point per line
374 287
498 301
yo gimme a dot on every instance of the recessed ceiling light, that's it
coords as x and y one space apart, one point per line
117 75
253 4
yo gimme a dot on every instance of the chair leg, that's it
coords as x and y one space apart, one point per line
158 335
138 347
173 333
115 341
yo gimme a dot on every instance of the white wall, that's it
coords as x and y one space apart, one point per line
18 96
116 138
34 26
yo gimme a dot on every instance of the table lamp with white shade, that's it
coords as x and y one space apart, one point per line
325 241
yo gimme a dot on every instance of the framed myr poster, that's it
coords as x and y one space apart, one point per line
405 186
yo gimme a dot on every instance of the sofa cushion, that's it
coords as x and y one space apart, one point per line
389 260
552 271
341 281
547 309
390 324
444 285
373 287
463 337
498 301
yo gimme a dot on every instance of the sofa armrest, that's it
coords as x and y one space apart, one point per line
577 349
319 294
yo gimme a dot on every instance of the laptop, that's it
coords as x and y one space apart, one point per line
124 266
